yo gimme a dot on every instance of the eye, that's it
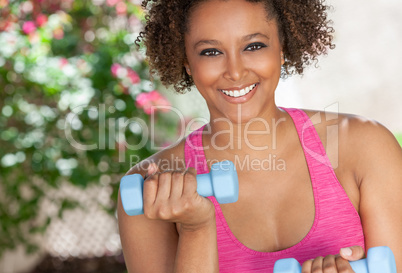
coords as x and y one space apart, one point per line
210 52
255 46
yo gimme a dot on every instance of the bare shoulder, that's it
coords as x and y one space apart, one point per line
354 128
372 147
346 123
170 158
361 141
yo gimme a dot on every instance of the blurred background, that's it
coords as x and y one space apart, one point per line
76 112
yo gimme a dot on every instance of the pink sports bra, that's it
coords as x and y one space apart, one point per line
336 224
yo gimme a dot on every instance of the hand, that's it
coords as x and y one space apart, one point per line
334 263
172 196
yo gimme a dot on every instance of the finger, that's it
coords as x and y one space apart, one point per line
189 182
149 192
177 185
164 186
329 264
343 265
317 265
306 268
192 171
152 168
352 253
150 185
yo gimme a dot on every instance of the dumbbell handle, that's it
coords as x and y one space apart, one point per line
204 185
379 260
221 182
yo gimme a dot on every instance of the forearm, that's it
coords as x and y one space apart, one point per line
197 250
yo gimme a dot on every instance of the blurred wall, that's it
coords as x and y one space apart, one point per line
362 73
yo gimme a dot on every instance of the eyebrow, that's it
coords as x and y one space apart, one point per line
216 42
251 36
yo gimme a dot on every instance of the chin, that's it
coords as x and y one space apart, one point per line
244 116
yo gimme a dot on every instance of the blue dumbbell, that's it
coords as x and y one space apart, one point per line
379 260
221 182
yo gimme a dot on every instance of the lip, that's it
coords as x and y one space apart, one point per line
241 99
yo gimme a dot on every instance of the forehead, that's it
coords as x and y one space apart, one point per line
228 18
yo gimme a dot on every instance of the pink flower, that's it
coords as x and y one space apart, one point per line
133 76
121 8
41 20
115 67
58 33
149 102
142 100
111 3
118 71
63 62
28 27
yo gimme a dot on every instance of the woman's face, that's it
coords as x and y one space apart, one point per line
234 57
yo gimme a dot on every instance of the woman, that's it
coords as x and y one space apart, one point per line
322 207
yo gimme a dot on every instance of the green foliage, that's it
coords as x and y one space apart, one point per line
399 138
70 78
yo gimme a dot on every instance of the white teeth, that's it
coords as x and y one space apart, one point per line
239 93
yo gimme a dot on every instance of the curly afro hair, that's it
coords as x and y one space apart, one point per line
304 32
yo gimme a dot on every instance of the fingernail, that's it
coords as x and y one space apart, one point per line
346 251
151 168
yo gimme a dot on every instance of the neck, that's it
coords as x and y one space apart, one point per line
246 136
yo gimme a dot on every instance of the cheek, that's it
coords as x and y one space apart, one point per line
206 73
266 66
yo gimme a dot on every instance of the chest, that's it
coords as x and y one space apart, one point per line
276 206
275 209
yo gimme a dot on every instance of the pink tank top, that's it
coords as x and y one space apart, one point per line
336 224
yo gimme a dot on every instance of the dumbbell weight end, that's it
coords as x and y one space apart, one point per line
379 259
131 190
222 183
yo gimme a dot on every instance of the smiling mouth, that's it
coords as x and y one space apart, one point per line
239 93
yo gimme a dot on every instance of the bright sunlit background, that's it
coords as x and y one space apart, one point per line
76 101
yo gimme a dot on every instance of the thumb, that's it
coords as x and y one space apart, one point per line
352 253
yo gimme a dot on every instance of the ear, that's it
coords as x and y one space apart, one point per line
187 67
282 58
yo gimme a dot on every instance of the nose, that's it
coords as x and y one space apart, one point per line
235 68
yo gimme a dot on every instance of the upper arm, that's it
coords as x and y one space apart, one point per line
150 245
378 167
